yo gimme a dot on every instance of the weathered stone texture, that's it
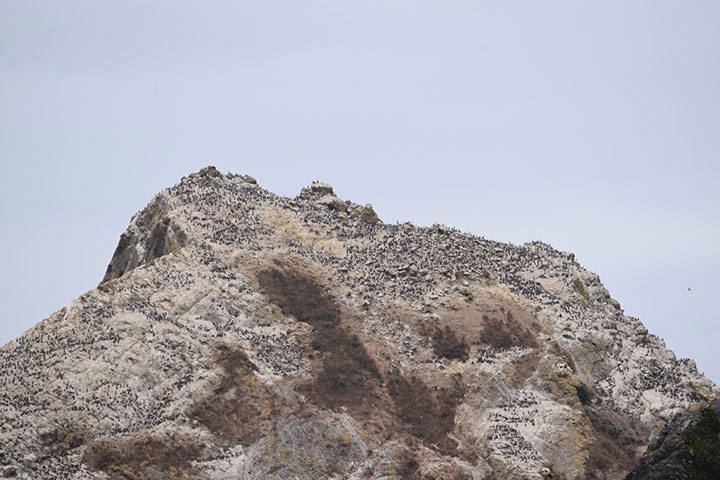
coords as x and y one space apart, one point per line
239 334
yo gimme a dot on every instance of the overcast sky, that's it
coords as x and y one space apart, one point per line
592 127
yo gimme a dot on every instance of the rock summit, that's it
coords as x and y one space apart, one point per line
238 334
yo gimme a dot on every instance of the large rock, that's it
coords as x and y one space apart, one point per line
239 334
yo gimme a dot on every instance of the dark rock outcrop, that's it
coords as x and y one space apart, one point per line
687 448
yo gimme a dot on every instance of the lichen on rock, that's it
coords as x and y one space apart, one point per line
242 334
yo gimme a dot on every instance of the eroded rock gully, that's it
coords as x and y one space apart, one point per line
239 334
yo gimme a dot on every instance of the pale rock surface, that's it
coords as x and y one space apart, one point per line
414 353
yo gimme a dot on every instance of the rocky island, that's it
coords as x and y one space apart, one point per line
238 334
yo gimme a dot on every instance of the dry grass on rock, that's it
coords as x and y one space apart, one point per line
239 403
427 413
142 456
506 333
349 376
446 344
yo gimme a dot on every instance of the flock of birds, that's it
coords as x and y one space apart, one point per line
42 388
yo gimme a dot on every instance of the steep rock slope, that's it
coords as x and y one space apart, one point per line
687 448
239 334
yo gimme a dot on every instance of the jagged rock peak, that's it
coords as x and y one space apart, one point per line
212 172
322 188
242 334
327 197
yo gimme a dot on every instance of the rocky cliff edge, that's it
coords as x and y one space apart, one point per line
240 334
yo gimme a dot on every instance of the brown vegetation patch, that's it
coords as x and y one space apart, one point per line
142 456
615 443
408 468
239 403
428 413
348 376
506 333
299 295
446 344
62 439
605 457
500 321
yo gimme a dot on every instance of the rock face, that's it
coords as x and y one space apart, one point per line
688 447
239 334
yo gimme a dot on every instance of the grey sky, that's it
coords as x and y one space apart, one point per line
592 127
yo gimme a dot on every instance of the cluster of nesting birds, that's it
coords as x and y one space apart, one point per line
127 356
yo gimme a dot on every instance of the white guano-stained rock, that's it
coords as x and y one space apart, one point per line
240 334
